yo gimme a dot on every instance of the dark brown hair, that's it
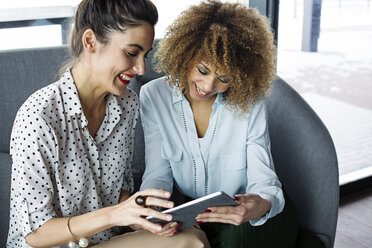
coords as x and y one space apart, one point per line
224 34
104 17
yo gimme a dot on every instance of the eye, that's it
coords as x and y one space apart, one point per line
223 80
202 71
131 54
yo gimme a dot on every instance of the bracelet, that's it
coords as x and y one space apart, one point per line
83 242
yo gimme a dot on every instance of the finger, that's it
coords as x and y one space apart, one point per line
236 216
154 213
212 215
168 229
155 192
147 225
153 201
220 210
228 219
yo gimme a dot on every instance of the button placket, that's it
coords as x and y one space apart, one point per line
195 153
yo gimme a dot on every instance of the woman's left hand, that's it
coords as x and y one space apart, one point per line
251 206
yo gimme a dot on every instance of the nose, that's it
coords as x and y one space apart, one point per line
210 83
140 66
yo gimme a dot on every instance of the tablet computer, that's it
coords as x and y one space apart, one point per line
186 213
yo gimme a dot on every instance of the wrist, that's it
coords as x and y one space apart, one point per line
109 216
267 207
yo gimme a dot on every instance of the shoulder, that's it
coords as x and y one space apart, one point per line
129 98
129 95
260 108
32 118
156 86
39 101
258 114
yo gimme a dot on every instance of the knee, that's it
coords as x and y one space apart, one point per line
192 237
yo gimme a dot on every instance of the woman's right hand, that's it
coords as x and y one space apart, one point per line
129 213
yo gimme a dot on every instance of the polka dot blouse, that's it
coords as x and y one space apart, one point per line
58 168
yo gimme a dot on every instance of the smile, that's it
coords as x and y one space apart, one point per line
125 78
200 92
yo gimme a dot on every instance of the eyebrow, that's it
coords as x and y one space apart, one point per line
139 47
136 45
205 66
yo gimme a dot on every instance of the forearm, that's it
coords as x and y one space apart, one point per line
55 232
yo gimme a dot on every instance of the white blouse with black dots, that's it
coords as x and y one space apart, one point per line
58 168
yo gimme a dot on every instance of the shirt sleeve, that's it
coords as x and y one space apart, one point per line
158 173
262 179
32 149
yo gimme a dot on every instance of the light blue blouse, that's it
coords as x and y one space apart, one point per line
233 156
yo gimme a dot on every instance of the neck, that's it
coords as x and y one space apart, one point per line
92 98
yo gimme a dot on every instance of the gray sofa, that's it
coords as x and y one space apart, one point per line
302 148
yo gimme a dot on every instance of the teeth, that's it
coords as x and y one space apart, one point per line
200 91
124 77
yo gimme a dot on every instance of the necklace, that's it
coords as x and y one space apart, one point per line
209 150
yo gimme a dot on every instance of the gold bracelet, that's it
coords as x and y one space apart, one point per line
83 242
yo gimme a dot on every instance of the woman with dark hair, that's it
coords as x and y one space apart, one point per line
72 141
205 124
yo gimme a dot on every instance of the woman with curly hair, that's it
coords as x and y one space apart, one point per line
205 124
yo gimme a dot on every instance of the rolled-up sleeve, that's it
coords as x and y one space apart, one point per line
33 152
262 179
158 173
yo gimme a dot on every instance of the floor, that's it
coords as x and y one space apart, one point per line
354 227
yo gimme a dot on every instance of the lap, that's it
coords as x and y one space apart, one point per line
279 231
189 237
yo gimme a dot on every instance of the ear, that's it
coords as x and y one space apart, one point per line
89 41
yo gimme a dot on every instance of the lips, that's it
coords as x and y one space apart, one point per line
125 78
200 93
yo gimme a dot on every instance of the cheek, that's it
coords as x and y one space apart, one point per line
223 88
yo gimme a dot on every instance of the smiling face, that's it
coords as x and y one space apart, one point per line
122 58
205 81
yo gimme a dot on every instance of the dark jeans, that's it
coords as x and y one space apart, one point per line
279 231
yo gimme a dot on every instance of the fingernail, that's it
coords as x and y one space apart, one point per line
170 204
167 194
178 226
174 224
169 217
236 198
175 232
207 210
159 228
197 217
199 221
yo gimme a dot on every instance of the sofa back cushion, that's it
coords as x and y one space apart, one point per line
22 72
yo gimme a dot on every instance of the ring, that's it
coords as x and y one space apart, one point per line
141 200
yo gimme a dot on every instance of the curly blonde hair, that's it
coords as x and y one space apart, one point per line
225 34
